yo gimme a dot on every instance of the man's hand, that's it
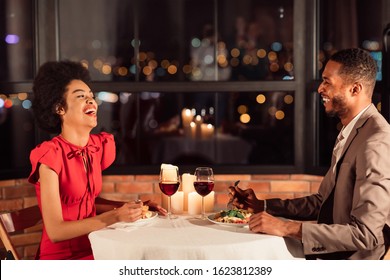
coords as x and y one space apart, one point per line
245 199
265 223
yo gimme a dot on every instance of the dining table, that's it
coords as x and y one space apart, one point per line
189 238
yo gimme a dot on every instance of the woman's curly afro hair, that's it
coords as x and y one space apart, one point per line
49 88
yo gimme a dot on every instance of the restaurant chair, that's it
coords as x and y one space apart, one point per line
14 221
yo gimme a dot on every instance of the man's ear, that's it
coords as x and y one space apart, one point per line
357 88
60 109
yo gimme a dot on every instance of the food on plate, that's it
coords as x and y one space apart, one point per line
146 214
233 216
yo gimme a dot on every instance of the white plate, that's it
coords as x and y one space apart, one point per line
211 219
136 223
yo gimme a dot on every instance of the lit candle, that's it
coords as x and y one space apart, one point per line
170 173
207 130
198 126
210 130
188 182
177 203
186 116
188 186
193 129
209 202
194 203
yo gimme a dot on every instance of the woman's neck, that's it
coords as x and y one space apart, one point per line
75 137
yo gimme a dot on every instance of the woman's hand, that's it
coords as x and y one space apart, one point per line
129 211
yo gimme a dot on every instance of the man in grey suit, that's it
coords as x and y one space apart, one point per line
352 206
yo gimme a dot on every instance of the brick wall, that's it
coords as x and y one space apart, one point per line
18 193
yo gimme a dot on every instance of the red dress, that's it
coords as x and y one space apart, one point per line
79 186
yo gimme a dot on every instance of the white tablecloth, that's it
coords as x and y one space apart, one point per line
188 238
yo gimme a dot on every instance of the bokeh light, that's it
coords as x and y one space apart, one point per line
12 39
279 115
142 56
261 53
165 63
135 43
288 66
242 109
288 99
172 69
22 96
235 52
195 42
208 59
260 98
107 97
245 118
147 70
272 56
106 69
26 104
132 69
8 103
98 64
234 62
122 71
274 67
187 69
276 46
153 64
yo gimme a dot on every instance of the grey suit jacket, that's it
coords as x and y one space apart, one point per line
361 205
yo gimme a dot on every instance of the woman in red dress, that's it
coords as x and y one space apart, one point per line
67 170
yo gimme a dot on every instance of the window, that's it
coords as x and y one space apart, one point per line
192 41
354 24
176 40
17 41
243 72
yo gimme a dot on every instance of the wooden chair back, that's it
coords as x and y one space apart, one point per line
14 221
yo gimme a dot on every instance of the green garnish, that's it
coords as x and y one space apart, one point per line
232 213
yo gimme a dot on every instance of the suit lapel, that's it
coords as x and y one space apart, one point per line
354 132
359 124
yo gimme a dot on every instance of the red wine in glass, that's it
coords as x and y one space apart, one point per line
203 184
203 188
169 182
169 188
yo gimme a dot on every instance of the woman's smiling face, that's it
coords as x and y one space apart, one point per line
81 107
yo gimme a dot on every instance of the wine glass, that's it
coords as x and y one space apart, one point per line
203 184
169 184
